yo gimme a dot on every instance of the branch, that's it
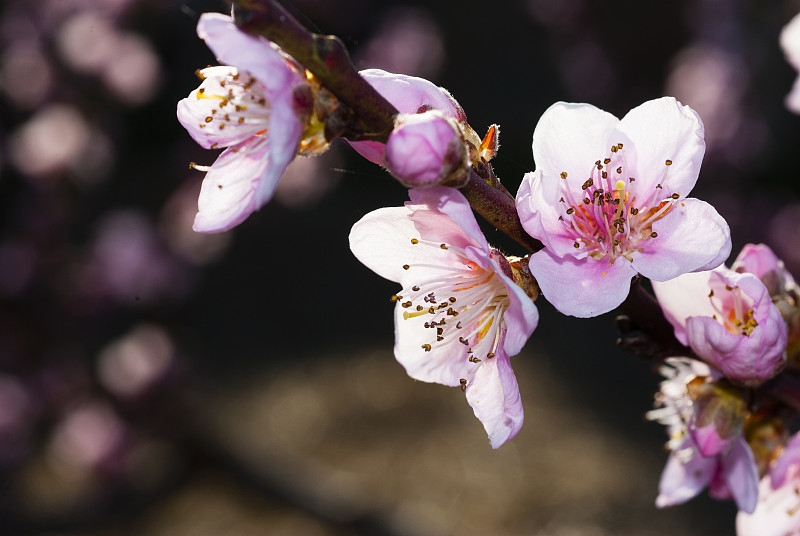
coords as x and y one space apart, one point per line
324 55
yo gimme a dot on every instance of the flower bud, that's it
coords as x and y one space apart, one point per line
426 149
719 415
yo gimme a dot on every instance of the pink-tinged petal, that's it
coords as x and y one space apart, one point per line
682 297
196 111
741 475
690 236
381 240
789 459
521 317
682 481
582 288
446 364
410 95
759 259
776 513
663 129
229 191
259 57
451 203
494 396
537 199
708 440
570 138
748 359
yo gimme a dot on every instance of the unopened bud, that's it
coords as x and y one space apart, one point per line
719 415
427 149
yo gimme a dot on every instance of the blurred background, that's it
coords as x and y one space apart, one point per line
157 381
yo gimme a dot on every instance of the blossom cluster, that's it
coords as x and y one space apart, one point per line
608 202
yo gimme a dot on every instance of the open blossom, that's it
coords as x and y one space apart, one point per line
459 316
410 95
728 319
256 107
608 201
778 510
790 43
701 455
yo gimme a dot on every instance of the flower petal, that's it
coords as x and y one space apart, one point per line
690 237
259 57
452 204
741 475
569 138
776 512
582 288
682 297
682 481
661 130
537 199
410 95
493 394
228 194
789 459
521 317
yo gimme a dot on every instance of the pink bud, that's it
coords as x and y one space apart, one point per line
426 149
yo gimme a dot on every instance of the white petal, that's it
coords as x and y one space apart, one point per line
493 394
570 138
661 130
682 297
691 236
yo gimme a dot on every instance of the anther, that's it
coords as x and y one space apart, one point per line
653 234
563 174
576 245
668 162
634 211
406 267
586 184
619 170
407 304
443 246
490 355
463 384
676 195
415 288
607 161
426 347
711 294
570 210
414 241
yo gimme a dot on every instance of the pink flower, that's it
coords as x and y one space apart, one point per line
778 510
459 316
410 95
790 43
426 149
256 108
608 200
725 465
729 320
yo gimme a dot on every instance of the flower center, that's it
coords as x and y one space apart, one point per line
461 304
612 218
235 98
734 308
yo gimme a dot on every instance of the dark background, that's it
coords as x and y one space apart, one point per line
156 381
